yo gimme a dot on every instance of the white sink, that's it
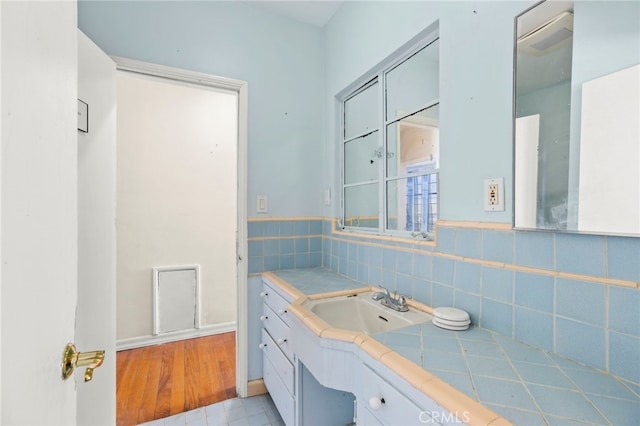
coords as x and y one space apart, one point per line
359 312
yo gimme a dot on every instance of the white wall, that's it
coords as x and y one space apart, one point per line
282 61
176 195
39 211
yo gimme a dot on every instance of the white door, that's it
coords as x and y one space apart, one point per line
39 216
95 324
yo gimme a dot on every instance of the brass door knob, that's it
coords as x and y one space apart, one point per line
71 359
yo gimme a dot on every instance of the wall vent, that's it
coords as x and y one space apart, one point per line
548 35
176 298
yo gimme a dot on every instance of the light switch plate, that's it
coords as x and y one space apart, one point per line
261 204
494 195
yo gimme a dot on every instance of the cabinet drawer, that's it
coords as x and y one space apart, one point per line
278 360
365 417
396 409
279 394
278 330
279 304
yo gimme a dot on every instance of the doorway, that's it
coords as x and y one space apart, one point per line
181 186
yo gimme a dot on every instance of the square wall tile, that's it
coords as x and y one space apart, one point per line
256 265
422 264
467 277
352 250
315 244
468 302
375 275
271 228
581 342
286 246
624 310
535 249
375 256
271 247
256 248
582 301
389 279
497 246
422 290
446 240
301 227
363 272
497 284
443 270
352 269
497 316
301 245
302 260
271 263
534 328
404 262
287 228
255 229
441 295
623 258
315 259
363 254
469 243
327 226
315 227
403 284
580 254
534 291
624 356
389 259
287 261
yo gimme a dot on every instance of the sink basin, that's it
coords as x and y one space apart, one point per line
358 312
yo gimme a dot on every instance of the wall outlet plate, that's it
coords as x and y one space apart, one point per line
494 195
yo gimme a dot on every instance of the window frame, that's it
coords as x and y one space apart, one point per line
378 76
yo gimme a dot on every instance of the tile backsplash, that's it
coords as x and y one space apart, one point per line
575 295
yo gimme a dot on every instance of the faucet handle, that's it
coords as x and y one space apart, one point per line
402 300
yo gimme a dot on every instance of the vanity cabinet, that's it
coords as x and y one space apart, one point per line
278 359
380 403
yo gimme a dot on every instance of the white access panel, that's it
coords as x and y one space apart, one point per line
176 298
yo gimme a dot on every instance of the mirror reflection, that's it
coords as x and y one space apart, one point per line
577 130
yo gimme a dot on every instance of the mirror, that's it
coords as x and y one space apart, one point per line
577 118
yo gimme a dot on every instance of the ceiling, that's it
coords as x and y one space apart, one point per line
313 12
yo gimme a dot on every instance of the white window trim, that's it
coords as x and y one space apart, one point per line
377 75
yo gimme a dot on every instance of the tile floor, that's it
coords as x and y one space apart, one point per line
255 411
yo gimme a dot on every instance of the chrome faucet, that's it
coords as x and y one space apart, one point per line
397 303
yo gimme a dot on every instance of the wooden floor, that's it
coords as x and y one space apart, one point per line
158 381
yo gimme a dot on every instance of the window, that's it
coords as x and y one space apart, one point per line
390 141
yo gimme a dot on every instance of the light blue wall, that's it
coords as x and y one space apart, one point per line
476 69
280 59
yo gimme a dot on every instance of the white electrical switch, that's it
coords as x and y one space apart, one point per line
494 195
262 204
327 197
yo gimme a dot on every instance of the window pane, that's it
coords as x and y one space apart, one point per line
360 161
361 112
413 83
361 206
414 141
412 203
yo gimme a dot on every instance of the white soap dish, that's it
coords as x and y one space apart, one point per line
451 319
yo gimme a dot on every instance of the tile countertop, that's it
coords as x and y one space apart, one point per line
521 383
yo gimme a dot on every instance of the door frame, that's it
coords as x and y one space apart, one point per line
241 88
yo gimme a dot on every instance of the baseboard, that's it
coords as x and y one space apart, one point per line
256 387
142 341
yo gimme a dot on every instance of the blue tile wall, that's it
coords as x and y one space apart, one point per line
623 258
593 320
580 254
